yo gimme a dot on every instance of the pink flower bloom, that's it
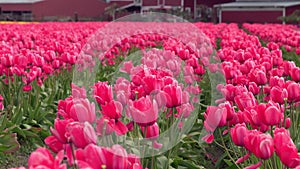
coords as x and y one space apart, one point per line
151 132
127 66
173 95
258 76
54 144
82 110
214 117
112 109
244 100
81 134
295 74
285 148
59 130
144 111
238 133
271 115
293 90
103 92
278 94
260 144
254 88
1 103
42 158
78 92
106 125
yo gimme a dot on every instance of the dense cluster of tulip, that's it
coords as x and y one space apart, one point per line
161 88
287 36
260 100
33 52
258 111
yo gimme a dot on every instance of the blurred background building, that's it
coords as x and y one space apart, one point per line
104 10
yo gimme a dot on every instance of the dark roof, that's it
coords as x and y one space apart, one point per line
258 4
19 1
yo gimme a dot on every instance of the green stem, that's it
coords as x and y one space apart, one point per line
226 150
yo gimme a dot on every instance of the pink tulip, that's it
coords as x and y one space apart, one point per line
173 95
151 132
107 126
295 74
271 115
82 110
151 84
144 111
258 76
42 158
244 100
78 92
112 109
285 148
254 88
238 133
278 94
293 90
81 134
260 144
53 143
214 117
103 92
59 130
1 103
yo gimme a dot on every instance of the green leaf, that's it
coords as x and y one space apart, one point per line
9 143
163 162
230 164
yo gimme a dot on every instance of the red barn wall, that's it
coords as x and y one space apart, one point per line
211 3
251 16
87 8
173 2
189 4
291 9
150 2
16 7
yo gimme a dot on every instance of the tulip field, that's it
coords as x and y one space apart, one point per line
136 95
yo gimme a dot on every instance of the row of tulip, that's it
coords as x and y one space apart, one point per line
151 96
261 100
259 105
287 36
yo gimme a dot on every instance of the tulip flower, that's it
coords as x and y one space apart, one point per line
1 103
78 92
151 84
214 117
238 133
103 92
173 95
82 110
260 144
271 114
106 125
293 90
144 111
285 148
112 109
254 88
54 144
258 76
278 94
42 158
81 134
295 74
59 130
244 100
151 132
